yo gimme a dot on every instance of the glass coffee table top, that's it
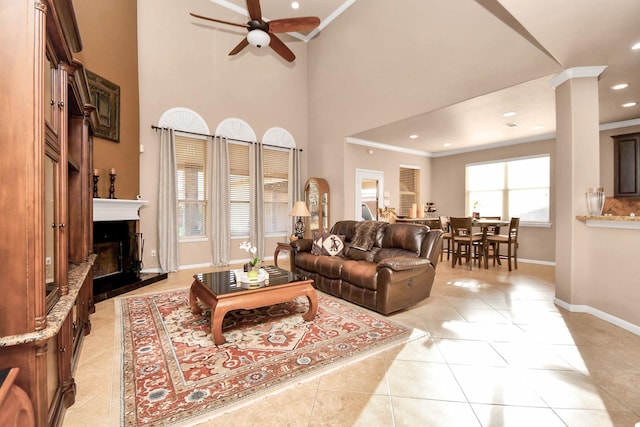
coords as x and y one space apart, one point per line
224 282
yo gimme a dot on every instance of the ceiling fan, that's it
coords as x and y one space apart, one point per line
262 33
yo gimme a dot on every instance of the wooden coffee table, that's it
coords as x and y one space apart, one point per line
220 291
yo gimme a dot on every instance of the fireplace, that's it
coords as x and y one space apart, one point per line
118 248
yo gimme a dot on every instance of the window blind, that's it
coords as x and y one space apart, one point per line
191 154
276 190
239 188
409 189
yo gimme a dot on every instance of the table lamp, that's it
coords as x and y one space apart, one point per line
299 210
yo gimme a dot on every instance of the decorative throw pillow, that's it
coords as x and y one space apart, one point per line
316 248
332 244
364 235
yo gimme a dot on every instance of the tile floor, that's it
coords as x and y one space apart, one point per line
499 353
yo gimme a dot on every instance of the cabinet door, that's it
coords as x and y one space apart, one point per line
51 229
627 165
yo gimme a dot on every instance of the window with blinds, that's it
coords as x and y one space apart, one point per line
276 190
191 154
239 188
409 189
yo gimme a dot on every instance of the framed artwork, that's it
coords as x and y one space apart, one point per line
105 96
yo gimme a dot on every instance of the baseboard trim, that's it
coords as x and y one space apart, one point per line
536 261
574 308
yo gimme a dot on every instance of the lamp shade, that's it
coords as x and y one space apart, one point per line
299 209
258 38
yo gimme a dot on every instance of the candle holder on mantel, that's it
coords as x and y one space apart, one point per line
95 186
112 188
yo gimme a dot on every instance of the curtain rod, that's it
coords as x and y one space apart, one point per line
154 127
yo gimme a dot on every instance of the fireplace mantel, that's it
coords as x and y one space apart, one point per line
116 209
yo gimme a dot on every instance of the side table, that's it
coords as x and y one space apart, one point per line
281 246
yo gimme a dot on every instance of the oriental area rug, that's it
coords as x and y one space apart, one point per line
172 373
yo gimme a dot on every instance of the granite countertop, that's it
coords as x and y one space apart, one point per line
608 218
60 311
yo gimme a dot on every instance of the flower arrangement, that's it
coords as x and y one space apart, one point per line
248 247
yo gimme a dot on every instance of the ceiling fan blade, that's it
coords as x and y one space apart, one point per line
281 49
288 25
244 43
253 6
218 20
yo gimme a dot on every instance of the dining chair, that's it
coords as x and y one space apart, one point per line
466 243
490 230
510 239
446 237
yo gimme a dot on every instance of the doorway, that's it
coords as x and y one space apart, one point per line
369 190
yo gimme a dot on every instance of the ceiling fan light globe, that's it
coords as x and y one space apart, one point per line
258 38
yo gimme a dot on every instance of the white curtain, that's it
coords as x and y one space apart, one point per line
295 184
219 235
167 203
256 205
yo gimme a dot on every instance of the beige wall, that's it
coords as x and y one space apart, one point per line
385 161
448 189
109 33
184 63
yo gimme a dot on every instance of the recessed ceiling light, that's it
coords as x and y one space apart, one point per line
513 124
630 104
620 86
413 136
538 127
509 114
295 5
448 144
636 46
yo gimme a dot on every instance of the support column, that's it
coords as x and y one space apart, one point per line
577 167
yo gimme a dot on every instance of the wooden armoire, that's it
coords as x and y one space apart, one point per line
45 201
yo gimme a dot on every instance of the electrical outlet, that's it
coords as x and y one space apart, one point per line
153 254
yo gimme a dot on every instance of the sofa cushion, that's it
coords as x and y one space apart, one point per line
368 234
346 228
329 266
386 253
405 236
360 273
360 255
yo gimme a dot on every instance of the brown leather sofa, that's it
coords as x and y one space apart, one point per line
397 272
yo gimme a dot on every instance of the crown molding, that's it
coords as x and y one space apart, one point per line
576 72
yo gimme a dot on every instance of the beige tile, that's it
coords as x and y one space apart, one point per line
469 352
500 386
624 385
410 412
367 376
292 407
337 408
539 351
516 416
419 350
531 355
587 358
571 390
483 315
595 418
423 380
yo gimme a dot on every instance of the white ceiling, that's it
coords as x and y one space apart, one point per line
571 33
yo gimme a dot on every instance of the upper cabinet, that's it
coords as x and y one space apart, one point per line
626 165
316 193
